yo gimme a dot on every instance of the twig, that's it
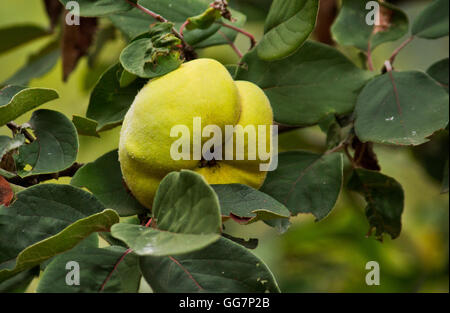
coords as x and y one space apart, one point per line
232 45
36 179
349 156
243 32
114 269
18 129
148 12
183 27
400 48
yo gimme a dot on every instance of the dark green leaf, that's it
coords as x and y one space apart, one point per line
17 35
433 21
248 205
444 188
104 179
95 266
20 282
204 38
109 103
330 126
46 220
351 28
315 81
37 66
385 201
91 8
306 182
134 22
439 72
288 24
126 79
401 108
145 59
55 148
224 267
17 100
186 213
85 126
115 242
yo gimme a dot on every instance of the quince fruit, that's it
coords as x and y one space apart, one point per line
203 89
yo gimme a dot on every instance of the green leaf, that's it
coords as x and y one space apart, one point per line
248 205
351 28
401 108
17 35
288 24
46 220
385 200
126 79
95 266
444 188
186 212
433 21
91 8
224 267
204 20
439 72
7 144
17 100
280 224
134 220
85 126
109 103
152 57
20 282
104 179
37 66
330 126
306 182
55 148
315 81
92 241
6 174
216 35
134 22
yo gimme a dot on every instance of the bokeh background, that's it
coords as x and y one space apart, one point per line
329 256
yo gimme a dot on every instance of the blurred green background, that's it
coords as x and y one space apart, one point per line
329 256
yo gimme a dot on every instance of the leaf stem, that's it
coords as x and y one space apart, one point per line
243 32
18 129
400 48
183 27
232 45
148 12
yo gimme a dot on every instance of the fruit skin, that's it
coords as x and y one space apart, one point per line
200 88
